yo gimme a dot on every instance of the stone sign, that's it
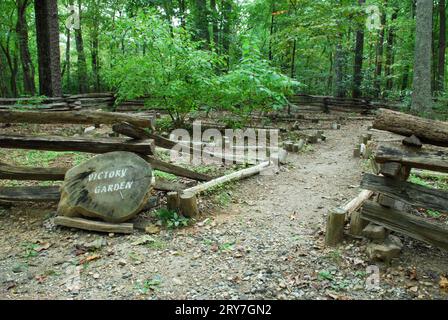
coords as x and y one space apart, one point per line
113 187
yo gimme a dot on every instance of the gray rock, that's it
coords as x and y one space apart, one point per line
374 232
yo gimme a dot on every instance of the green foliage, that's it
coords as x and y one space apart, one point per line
171 219
253 85
173 72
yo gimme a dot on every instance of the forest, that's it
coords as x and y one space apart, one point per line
186 54
223 150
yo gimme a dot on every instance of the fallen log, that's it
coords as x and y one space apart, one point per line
58 174
357 202
413 194
131 131
430 160
34 194
176 170
74 117
90 145
92 225
36 174
428 131
45 194
413 226
230 177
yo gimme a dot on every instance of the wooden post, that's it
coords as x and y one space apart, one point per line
188 204
357 224
335 227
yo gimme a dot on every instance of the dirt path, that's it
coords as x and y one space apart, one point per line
267 245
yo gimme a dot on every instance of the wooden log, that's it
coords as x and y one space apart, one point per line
430 174
413 194
173 201
357 202
413 226
351 209
335 227
90 145
33 194
176 170
36 174
428 131
58 174
134 132
74 117
188 204
430 160
238 175
92 225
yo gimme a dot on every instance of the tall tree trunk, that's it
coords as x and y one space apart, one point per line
82 64
405 80
330 73
29 85
421 96
95 48
434 43
442 46
201 22
12 65
359 53
67 59
4 92
379 56
47 32
293 59
271 32
227 8
390 51
214 18
339 88
182 13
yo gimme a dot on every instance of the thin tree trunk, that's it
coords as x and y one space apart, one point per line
67 59
293 59
339 88
379 57
271 33
29 85
82 64
214 18
227 16
201 21
95 49
390 51
11 65
421 96
47 31
442 46
359 53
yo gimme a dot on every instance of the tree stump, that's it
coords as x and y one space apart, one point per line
188 204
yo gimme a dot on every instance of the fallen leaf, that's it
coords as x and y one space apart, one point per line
41 278
152 229
413 274
90 258
143 240
443 283
42 246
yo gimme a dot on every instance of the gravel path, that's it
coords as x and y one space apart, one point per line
268 244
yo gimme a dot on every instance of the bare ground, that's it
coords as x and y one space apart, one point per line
267 244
